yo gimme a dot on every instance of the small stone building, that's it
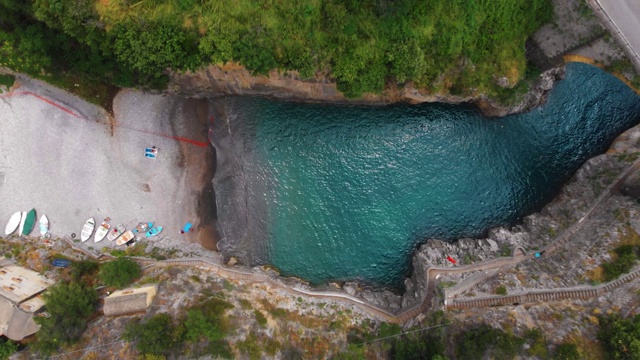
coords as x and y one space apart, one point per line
20 300
129 301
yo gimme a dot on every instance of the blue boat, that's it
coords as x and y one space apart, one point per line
155 231
63 263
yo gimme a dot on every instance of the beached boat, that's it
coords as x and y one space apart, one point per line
63 263
14 222
29 222
143 227
43 225
87 229
23 217
124 238
115 232
101 232
155 231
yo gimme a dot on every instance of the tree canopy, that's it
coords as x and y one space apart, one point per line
442 45
620 337
70 305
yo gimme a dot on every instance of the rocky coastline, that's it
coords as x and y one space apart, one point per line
232 79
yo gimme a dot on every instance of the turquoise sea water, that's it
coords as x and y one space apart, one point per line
327 192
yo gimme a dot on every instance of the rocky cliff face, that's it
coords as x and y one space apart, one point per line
233 79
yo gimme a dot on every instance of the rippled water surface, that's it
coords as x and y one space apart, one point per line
327 192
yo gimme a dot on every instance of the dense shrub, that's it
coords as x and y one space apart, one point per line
625 258
566 351
156 335
474 343
7 348
620 337
84 271
7 80
70 307
260 318
119 273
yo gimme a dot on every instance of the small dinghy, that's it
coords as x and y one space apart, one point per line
63 263
29 222
43 225
124 238
87 229
23 217
102 231
154 231
14 222
143 227
115 232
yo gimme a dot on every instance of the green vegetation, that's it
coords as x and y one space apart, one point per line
260 318
452 46
156 335
7 80
7 348
250 347
620 337
84 271
566 351
201 331
475 343
206 321
624 259
501 290
227 285
278 312
70 305
119 273
245 304
537 344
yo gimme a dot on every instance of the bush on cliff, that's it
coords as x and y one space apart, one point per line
624 259
119 273
156 336
620 337
474 343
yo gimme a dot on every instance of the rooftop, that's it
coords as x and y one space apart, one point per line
129 300
18 284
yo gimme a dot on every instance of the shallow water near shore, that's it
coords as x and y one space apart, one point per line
329 192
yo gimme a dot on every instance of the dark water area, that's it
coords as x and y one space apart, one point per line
337 192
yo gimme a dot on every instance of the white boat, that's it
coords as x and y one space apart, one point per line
115 232
14 222
124 238
87 229
102 231
43 224
23 218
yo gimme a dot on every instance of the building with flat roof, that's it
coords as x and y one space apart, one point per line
129 301
20 299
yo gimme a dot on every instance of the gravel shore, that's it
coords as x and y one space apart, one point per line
71 161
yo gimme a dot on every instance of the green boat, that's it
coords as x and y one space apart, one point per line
29 222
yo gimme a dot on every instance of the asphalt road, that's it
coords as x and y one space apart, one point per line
59 155
625 14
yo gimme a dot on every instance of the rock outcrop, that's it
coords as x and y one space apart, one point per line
233 79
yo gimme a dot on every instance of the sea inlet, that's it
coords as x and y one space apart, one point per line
338 192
